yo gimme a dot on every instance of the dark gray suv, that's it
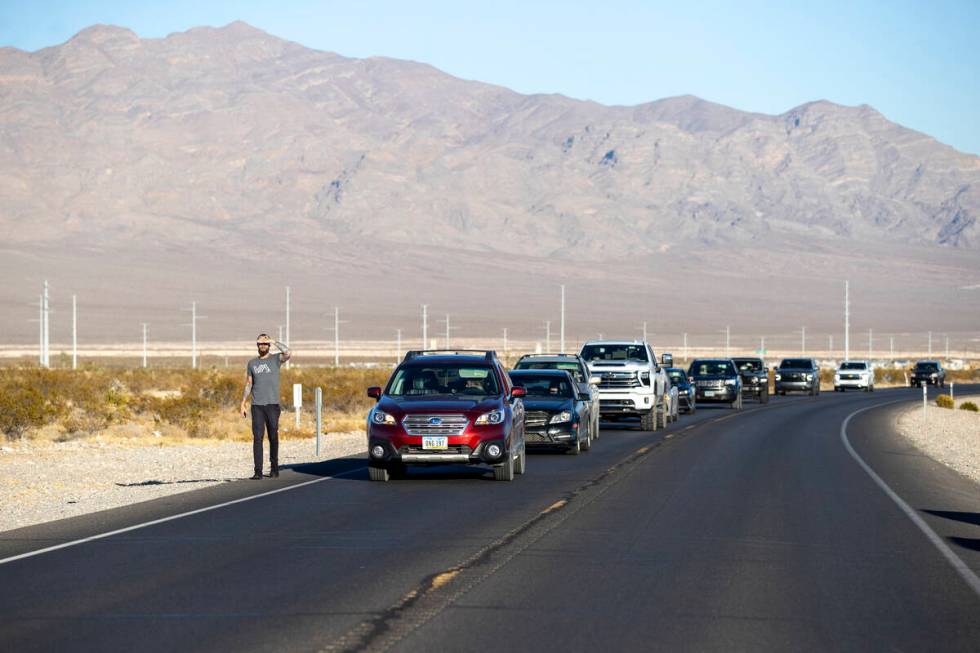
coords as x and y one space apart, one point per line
798 375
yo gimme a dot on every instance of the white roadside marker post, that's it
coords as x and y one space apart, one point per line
925 387
318 398
297 400
951 396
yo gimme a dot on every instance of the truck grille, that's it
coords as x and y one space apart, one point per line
710 383
794 376
435 424
618 380
535 418
850 377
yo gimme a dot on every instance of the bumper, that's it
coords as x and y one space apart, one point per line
724 395
755 390
793 386
851 383
469 448
924 380
624 403
558 435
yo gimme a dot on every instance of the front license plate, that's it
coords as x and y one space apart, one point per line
710 393
433 442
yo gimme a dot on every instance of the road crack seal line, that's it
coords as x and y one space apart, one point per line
442 589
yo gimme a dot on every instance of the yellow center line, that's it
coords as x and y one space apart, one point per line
444 578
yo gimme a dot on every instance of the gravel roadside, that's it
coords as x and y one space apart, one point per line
46 481
951 437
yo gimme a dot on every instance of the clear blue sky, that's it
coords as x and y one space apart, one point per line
916 62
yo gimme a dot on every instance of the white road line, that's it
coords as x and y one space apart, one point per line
162 520
961 567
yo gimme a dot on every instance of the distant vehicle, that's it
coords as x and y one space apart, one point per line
447 407
556 412
928 373
632 382
798 375
858 375
716 380
755 377
577 367
686 399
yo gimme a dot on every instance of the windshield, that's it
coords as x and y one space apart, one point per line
926 366
712 368
549 386
677 375
854 366
615 353
419 380
572 368
795 364
749 365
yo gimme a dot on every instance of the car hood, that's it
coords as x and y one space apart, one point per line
618 366
713 377
397 407
551 405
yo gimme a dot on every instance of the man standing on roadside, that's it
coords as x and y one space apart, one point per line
262 384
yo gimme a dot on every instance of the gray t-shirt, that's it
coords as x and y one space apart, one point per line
264 373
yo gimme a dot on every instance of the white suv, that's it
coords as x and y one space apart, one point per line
857 375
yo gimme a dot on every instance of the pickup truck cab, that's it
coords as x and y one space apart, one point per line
632 382
447 408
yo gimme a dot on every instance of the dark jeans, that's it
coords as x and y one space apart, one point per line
265 418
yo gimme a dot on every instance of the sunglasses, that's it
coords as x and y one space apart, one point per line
262 344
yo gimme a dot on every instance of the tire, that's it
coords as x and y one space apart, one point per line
596 432
660 416
648 420
505 472
587 444
872 388
764 397
378 473
521 466
575 449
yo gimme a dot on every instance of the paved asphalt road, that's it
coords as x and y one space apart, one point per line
728 531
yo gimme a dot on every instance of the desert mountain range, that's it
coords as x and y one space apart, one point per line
220 164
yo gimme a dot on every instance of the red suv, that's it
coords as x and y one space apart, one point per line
447 407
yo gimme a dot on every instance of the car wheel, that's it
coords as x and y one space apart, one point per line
574 449
764 397
661 415
505 472
596 429
648 420
521 461
872 388
378 473
587 444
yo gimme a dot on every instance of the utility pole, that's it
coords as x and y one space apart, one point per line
336 335
947 347
891 347
803 342
830 344
398 344
728 341
425 327
46 312
280 334
286 341
762 346
644 332
505 341
74 332
144 345
870 345
547 335
562 335
930 333
685 346
847 321
193 325
448 331
40 327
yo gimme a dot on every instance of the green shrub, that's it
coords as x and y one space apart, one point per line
188 412
970 406
944 401
22 408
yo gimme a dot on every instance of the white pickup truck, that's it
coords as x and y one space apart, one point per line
632 382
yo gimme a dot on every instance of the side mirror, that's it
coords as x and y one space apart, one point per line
374 392
517 392
595 380
667 360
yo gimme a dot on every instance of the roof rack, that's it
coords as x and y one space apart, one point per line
544 355
488 354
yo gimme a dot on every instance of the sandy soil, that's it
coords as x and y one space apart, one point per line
951 437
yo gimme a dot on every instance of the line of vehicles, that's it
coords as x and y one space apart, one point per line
465 407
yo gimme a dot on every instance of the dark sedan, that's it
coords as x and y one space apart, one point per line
685 390
555 412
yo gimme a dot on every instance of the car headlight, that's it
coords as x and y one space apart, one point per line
837 376
493 417
682 391
644 376
563 416
779 377
729 381
809 377
934 375
381 417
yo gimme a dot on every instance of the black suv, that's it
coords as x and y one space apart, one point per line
577 367
555 411
685 390
798 375
447 407
927 373
716 380
755 377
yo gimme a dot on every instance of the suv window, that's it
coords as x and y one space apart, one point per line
854 366
796 364
676 374
712 368
926 366
615 353
571 367
749 365
448 379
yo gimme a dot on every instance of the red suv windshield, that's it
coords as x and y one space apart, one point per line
452 380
